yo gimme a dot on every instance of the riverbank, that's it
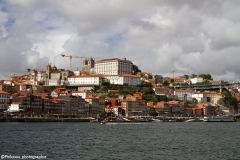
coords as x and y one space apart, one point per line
31 119
89 119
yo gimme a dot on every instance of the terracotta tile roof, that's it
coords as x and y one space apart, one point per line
59 90
178 79
16 102
167 77
84 73
153 105
43 95
138 95
159 105
130 75
181 90
111 59
3 92
173 102
98 96
150 104
113 91
84 76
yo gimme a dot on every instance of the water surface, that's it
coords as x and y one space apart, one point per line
169 140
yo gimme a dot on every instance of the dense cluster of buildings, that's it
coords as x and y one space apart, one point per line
25 95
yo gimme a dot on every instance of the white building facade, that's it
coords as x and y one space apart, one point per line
83 94
14 107
182 93
123 79
4 100
198 96
114 66
85 80
196 80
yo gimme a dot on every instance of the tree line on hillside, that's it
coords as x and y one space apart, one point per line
204 76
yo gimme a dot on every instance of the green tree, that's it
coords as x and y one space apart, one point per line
145 84
193 75
194 100
186 76
228 98
161 98
166 83
125 84
106 83
206 76
136 69
153 113
125 92
206 82
148 91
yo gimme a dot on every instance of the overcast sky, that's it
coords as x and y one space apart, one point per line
196 37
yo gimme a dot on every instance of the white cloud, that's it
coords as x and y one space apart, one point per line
157 35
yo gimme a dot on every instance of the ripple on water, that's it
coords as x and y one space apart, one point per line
122 141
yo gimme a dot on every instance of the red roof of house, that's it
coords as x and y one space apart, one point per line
181 90
113 91
3 92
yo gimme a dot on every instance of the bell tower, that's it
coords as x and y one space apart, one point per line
88 64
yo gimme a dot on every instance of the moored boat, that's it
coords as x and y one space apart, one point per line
218 119
116 120
125 120
155 120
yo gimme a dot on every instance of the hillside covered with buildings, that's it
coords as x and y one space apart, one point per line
114 87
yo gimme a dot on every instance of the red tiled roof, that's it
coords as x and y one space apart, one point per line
173 102
179 79
83 76
181 90
3 92
111 59
113 91
130 75
16 102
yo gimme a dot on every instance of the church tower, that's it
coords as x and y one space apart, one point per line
88 64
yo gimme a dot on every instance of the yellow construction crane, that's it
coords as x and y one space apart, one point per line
70 57
173 71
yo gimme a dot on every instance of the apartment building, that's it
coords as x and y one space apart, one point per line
181 94
8 86
113 66
196 80
85 80
161 91
123 79
4 100
179 80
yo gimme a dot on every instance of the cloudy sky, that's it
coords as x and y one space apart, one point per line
196 37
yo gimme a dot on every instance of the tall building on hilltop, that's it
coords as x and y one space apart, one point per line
114 66
54 76
88 65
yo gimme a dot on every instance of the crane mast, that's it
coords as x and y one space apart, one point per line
173 71
70 58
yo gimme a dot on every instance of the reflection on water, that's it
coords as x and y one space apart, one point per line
170 140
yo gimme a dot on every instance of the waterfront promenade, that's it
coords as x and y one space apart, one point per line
89 119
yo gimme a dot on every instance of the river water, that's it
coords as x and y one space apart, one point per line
167 140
